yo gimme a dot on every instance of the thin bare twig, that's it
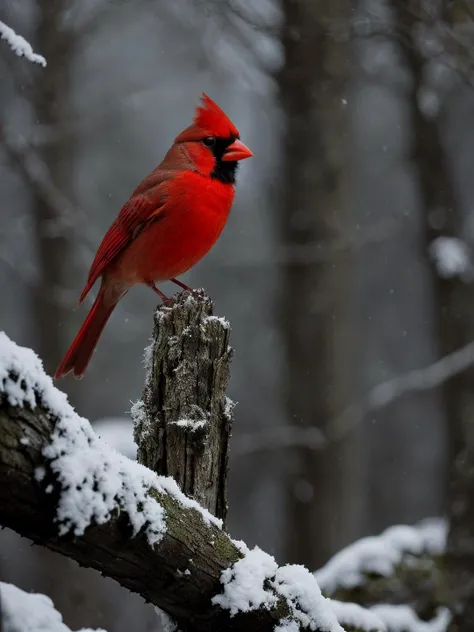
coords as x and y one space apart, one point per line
378 397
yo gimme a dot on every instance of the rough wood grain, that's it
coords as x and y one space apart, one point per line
183 421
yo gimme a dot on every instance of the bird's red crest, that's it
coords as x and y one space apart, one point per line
210 117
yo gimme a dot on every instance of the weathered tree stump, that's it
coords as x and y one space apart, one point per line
183 421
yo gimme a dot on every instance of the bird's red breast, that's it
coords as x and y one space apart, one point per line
190 221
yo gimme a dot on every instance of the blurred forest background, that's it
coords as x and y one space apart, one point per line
346 268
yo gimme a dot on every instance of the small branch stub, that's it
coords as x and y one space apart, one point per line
183 421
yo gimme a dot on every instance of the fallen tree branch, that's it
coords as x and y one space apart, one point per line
63 487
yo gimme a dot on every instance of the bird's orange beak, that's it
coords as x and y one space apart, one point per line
237 151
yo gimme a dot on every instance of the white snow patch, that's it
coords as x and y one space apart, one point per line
229 408
351 614
380 554
451 256
287 625
241 545
404 619
190 424
40 473
167 623
95 480
19 45
384 617
28 612
303 595
139 415
244 588
148 357
217 319
256 581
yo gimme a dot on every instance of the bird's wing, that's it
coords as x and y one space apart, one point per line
132 219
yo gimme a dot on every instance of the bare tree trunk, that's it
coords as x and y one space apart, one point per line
52 224
454 297
314 318
442 215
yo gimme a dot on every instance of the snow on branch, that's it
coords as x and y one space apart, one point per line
383 394
388 618
95 481
63 487
353 616
27 612
19 45
400 566
404 619
380 555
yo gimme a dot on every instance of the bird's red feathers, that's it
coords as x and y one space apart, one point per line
171 221
209 120
133 217
80 352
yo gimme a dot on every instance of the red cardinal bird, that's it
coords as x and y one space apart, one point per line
171 221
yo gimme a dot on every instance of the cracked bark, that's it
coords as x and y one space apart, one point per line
183 421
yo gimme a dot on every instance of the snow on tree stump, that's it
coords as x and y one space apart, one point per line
183 421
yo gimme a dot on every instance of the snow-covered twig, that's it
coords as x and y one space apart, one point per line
386 392
377 397
28 612
19 45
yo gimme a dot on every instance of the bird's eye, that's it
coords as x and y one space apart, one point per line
209 141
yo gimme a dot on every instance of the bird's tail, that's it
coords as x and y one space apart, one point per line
80 352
